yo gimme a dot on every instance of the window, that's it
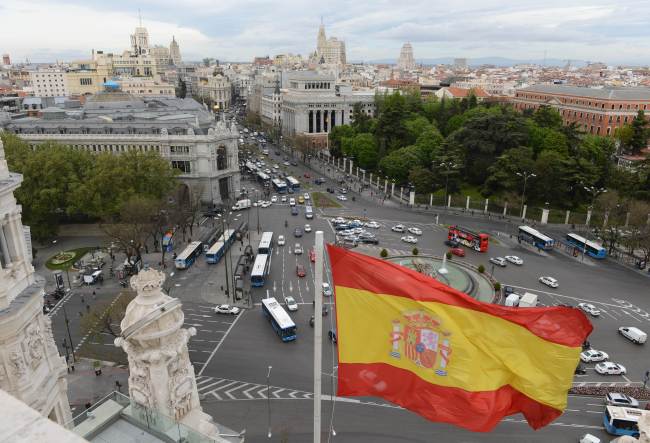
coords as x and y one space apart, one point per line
183 166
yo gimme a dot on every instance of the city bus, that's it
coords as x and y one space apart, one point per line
262 177
619 420
588 247
280 320
186 258
219 248
266 243
260 270
536 238
279 186
292 183
478 241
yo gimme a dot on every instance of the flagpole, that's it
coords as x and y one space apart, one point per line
318 333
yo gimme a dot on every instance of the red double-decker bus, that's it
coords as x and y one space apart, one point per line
476 240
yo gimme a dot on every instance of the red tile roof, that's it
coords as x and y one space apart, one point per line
462 92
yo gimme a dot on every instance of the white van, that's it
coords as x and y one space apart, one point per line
512 300
633 334
309 213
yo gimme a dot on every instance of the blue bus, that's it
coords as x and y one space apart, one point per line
260 270
219 248
279 186
536 238
282 323
188 256
585 246
619 420
292 183
266 243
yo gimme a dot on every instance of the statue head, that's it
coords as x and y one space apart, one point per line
147 282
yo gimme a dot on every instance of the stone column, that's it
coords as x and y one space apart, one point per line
505 209
449 201
606 219
566 218
523 213
588 217
467 203
430 199
544 219
400 193
627 219
386 190
5 246
351 167
357 172
364 175
370 180
313 119
392 192
485 210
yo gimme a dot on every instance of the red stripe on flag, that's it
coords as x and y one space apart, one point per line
476 411
561 325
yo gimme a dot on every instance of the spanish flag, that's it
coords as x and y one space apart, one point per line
436 351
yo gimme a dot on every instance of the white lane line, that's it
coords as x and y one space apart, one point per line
625 378
632 315
607 313
565 296
216 348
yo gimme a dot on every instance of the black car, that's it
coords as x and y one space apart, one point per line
369 240
331 190
342 226
297 232
452 243
277 152
319 181
294 163
294 210
580 370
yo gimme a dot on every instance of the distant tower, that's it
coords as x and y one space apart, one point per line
406 61
31 368
6 60
321 42
140 39
175 52
161 375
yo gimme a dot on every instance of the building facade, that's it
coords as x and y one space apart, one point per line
146 87
596 111
175 52
314 104
329 51
406 62
31 368
215 88
49 83
180 130
271 104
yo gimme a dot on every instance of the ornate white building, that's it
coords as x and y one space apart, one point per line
161 374
406 61
31 368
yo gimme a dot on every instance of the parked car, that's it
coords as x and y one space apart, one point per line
283 199
460 252
409 239
297 249
226 309
306 196
589 309
499 261
281 240
610 368
291 303
514 259
618 399
549 281
415 231
398 228
593 355
300 271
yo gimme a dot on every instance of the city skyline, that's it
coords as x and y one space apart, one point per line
585 30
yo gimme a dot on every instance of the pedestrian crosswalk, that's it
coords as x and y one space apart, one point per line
226 389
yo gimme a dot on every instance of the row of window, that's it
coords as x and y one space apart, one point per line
582 102
317 85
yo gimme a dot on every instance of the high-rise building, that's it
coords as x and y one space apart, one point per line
140 41
31 368
175 52
406 61
329 51
6 60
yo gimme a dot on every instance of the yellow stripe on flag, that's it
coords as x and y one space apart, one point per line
481 352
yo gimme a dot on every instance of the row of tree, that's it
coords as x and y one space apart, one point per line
433 144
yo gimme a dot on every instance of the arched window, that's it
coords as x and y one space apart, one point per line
222 158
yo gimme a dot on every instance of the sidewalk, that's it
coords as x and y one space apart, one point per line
86 387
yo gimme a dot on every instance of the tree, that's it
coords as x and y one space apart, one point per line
390 121
361 121
547 117
549 168
363 148
639 139
415 251
336 136
422 179
181 90
383 253
398 164
503 173
415 126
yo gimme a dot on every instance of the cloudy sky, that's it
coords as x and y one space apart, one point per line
612 31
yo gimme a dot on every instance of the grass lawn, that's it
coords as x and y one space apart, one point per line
323 201
74 255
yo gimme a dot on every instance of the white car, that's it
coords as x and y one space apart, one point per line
226 309
327 290
297 249
514 259
343 198
266 204
549 281
274 199
593 355
306 195
276 166
281 240
499 261
286 164
589 309
372 224
409 239
398 228
283 199
415 231
291 303
610 368
292 201
307 228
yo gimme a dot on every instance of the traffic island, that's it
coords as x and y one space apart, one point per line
65 259
323 201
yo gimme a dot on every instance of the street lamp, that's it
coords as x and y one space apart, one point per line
526 175
448 166
268 399
594 192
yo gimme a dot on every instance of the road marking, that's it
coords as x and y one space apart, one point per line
625 378
564 296
216 348
631 315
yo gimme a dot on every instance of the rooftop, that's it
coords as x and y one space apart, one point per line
607 93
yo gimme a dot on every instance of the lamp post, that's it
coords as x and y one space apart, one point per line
594 192
526 175
268 400
448 166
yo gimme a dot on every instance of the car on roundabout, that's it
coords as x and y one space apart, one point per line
415 231
297 249
274 199
549 281
409 239
499 261
226 309
593 355
458 252
610 368
372 224
514 260
312 255
398 228
307 228
297 232
327 289
589 309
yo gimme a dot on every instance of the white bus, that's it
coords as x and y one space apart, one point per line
260 270
536 238
279 186
189 254
280 320
266 244
292 183
619 420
